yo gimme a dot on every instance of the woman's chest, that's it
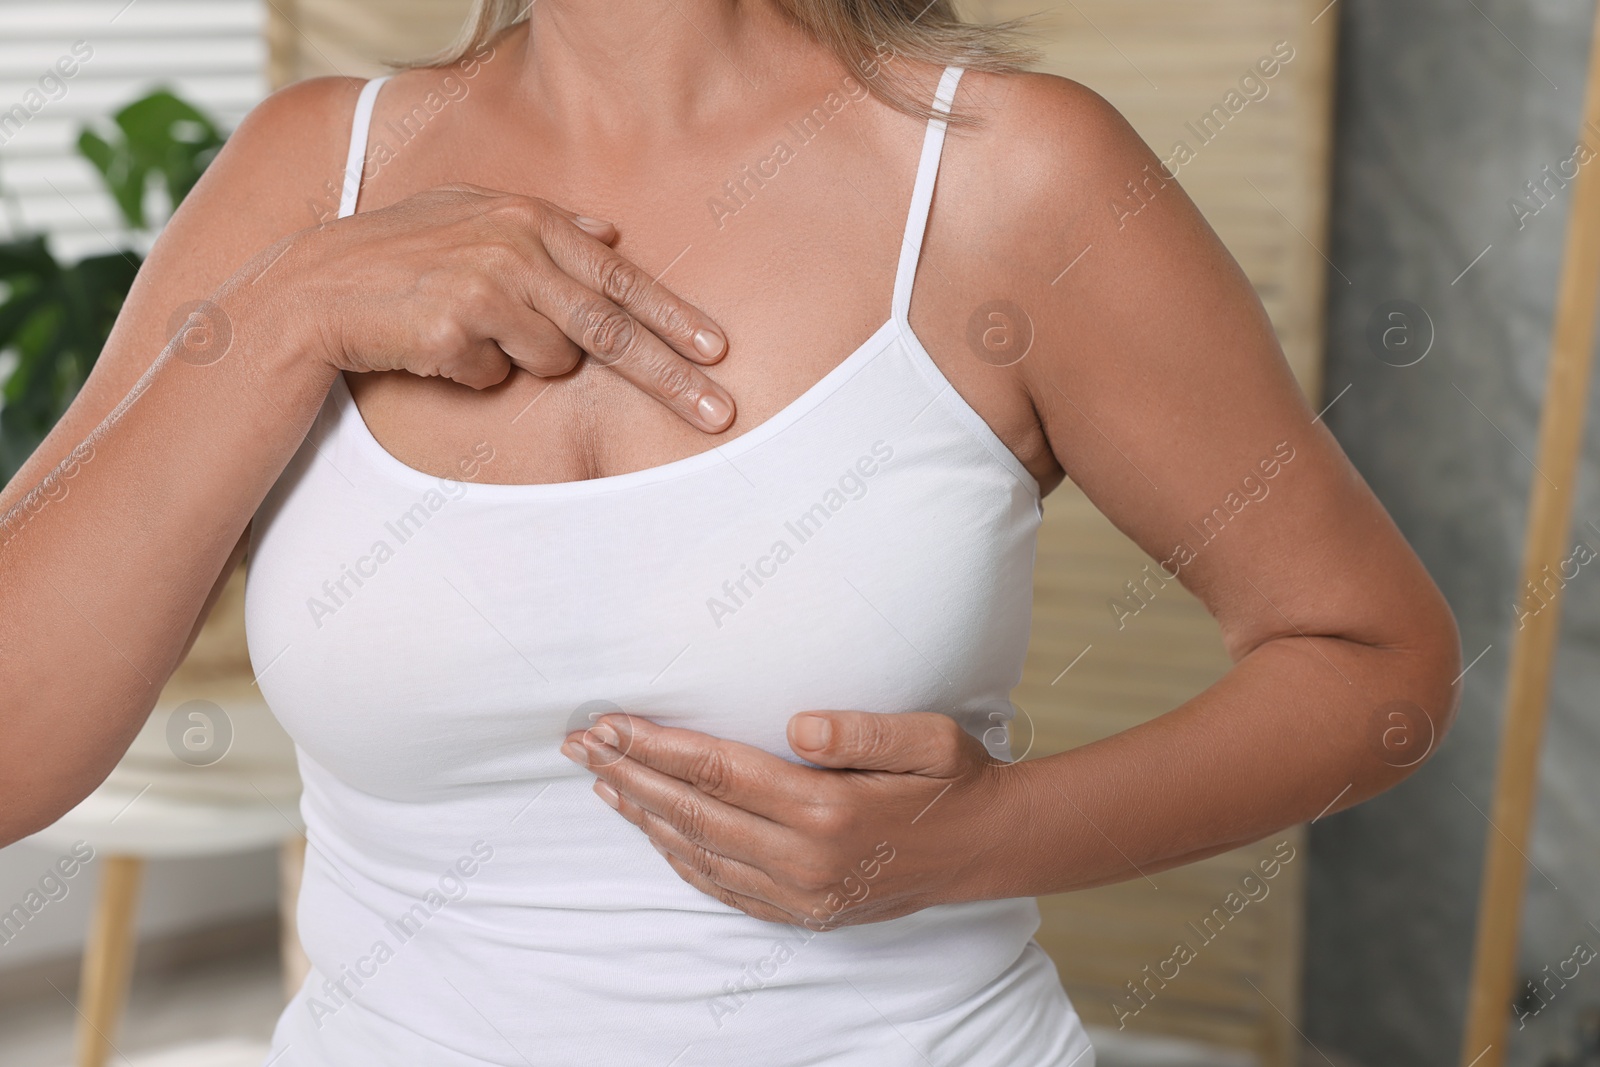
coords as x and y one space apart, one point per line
797 269
415 634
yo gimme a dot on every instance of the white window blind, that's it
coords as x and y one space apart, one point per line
211 53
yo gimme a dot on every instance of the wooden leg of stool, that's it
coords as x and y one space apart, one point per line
108 959
291 866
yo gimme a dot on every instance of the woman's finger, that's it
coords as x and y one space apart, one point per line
742 775
540 347
752 906
906 742
529 340
745 879
589 259
492 331
703 820
611 335
614 338
477 196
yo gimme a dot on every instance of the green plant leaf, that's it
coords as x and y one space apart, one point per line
125 186
158 137
56 320
28 257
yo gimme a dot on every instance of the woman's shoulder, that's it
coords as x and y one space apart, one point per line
1033 182
1043 142
284 163
291 149
1032 210
305 114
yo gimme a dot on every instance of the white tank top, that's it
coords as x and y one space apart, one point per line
428 643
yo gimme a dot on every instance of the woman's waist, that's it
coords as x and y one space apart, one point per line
562 905
632 935
529 873
783 995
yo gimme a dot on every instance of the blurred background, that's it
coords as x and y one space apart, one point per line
1404 160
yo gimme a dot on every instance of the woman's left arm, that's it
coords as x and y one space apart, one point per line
1164 396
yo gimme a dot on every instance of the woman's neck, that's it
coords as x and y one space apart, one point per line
653 68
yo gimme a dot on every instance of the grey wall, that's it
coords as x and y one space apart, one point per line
1441 121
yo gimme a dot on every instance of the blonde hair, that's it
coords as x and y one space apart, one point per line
866 35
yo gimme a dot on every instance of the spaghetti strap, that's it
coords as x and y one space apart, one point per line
922 196
356 157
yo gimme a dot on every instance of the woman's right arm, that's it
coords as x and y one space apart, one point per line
116 533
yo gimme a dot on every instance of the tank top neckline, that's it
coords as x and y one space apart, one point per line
896 327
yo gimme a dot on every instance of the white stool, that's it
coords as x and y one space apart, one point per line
226 794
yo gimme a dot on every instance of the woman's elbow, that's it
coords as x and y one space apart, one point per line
1409 728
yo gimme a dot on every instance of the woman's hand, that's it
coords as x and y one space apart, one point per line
465 283
904 813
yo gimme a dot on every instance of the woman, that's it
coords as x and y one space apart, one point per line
516 557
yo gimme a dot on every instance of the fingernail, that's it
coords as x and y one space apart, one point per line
714 411
709 344
596 227
606 735
573 751
812 732
607 794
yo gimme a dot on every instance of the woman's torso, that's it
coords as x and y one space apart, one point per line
428 643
